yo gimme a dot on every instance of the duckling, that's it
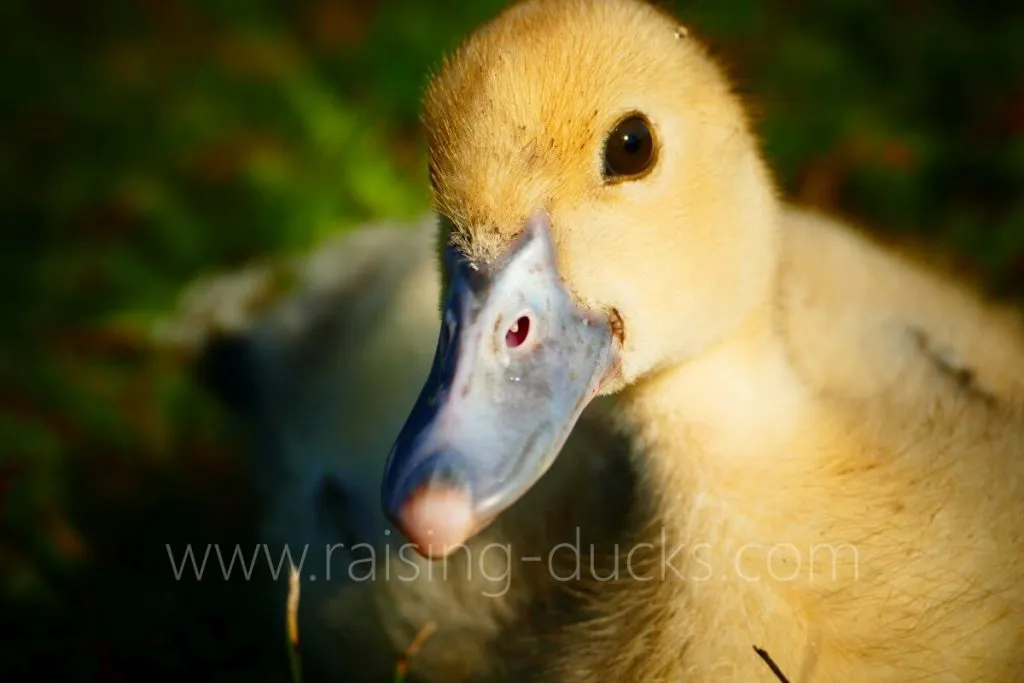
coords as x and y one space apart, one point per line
320 379
828 434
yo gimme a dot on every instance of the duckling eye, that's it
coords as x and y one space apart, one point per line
629 149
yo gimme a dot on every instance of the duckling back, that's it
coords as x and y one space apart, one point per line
873 324
922 379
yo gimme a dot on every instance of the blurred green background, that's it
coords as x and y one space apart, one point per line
148 143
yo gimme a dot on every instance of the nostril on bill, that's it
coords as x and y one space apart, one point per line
518 333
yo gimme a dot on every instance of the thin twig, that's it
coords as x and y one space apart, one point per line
771 664
402 666
293 625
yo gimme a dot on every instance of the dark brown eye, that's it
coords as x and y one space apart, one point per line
629 149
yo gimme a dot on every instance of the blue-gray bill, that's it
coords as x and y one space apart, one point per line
517 361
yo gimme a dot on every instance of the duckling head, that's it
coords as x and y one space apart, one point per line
604 213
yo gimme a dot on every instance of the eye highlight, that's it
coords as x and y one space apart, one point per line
629 149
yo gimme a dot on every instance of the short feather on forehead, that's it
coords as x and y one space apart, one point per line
516 117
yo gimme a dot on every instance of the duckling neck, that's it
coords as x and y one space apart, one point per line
724 408
719 444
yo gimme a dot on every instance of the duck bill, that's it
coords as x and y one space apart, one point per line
517 361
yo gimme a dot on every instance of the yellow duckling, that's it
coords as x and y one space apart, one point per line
829 435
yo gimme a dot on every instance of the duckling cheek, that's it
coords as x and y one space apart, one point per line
516 363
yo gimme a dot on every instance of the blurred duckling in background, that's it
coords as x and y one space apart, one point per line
320 379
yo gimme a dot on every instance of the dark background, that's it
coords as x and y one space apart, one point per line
147 143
